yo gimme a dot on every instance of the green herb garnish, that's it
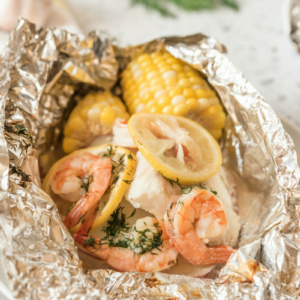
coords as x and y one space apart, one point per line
24 142
109 152
71 207
127 181
117 223
86 182
162 6
213 191
145 244
187 190
90 242
24 178
129 156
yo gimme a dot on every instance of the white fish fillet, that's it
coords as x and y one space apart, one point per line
224 184
121 136
149 190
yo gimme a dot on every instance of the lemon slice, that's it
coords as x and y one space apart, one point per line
124 165
177 147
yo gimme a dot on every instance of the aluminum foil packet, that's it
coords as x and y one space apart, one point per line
42 71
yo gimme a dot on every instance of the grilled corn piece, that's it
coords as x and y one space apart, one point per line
161 83
93 116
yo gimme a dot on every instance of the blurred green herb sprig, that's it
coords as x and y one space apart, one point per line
189 5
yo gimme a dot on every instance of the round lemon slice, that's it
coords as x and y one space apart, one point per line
124 165
177 147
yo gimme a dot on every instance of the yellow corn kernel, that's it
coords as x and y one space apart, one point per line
181 110
189 93
77 123
70 144
168 110
108 116
192 103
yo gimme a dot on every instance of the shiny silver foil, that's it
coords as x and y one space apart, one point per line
295 22
42 72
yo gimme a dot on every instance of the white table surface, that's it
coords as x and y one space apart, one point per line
257 39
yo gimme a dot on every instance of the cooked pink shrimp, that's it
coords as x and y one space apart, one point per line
69 178
140 256
195 219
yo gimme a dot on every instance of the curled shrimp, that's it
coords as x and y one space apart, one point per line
139 256
83 178
197 218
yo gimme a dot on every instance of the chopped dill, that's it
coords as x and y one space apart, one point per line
127 181
170 180
117 223
23 143
129 156
213 191
145 243
210 189
187 190
86 182
90 242
18 129
21 174
109 152
117 234
71 207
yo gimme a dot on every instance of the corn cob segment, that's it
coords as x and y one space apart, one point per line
161 83
92 117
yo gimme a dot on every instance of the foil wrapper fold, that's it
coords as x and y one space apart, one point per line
42 71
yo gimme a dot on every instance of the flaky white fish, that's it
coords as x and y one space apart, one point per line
149 190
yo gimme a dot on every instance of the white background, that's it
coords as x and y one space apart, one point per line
257 39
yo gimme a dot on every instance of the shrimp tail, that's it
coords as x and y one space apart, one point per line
88 221
219 254
81 207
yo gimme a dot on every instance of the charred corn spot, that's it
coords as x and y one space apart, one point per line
161 83
93 116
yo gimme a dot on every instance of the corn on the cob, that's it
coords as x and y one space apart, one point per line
93 116
160 83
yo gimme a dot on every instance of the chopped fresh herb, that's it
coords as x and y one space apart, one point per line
90 242
24 141
187 190
144 243
127 181
170 180
132 214
21 174
86 182
71 207
109 152
213 191
117 223
205 188
129 156
117 234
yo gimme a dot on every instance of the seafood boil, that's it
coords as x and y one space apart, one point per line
163 162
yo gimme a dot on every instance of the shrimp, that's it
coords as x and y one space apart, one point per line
149 249
196 218
76 173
